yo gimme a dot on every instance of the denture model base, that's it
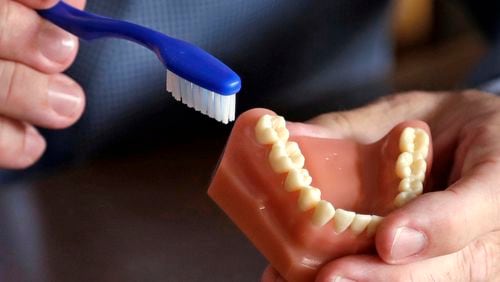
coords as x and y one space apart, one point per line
303 200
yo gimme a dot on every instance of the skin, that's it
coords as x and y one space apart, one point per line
33 92
459 219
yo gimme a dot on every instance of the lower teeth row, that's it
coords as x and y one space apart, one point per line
285 157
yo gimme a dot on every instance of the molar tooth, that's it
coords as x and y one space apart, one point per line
342 220
406 140
295 154
419 155
372 226
323 213
309 197
271 129
296 179
411 185
422 142
403 164
360 223
285 157
418 169
403 197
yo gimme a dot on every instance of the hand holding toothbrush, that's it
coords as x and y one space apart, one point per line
33 91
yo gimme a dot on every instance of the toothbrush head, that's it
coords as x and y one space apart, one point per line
200 80
220 107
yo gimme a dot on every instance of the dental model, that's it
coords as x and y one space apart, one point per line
303 200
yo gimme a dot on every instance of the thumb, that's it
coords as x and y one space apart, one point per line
441 223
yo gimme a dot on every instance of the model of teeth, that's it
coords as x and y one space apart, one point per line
411 165
286 157
271 129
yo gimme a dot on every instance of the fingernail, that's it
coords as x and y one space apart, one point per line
342 279
407 242
65 96
55 44
33 144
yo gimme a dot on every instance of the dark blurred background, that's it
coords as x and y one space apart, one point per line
137 209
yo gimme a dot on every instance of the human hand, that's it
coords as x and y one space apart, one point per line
452 233
33 92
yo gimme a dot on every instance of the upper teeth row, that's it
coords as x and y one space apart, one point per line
411 165
286 157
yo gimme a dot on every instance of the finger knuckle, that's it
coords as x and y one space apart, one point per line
46 3
480 260
474 95
5 13
2 130
338 120
402 98
9 73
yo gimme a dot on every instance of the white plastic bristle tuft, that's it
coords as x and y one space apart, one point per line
175 87
210 104
225 109
204 103
197 97
232 107
220 107
169 81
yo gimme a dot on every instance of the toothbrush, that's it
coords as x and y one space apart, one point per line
194 76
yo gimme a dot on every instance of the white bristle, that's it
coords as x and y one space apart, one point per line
220 107
196 97
184 92
217 108
204 103
169 81
225 109
211 104
232 107
175 87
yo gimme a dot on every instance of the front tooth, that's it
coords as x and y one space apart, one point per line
418 169
360 223
342 220
403 164
285 157
309 197
271 129
422 142
411 185
403 197
296 179
406 140
372 226
323 213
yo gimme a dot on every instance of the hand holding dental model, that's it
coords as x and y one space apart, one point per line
453 233
310 196
33 92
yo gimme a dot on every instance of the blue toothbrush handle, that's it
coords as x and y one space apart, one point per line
186 60
89 26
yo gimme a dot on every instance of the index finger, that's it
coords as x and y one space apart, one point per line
38 4
45 4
